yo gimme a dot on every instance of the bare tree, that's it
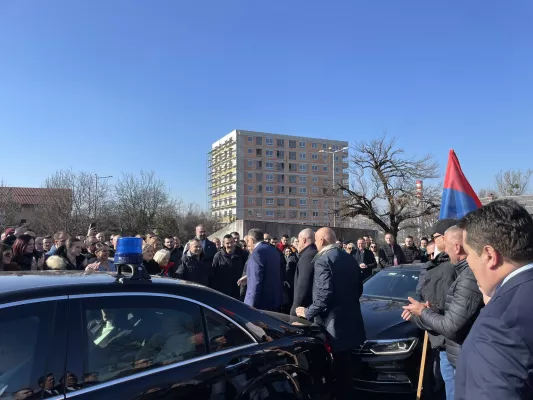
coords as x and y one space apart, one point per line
9 208
487 192
384 186
513 182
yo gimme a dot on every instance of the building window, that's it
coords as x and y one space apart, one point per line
302 156
281 143
259 164
336 147
281 189
324 157
270 153
280 153
303 190
303 179
315 190
269 189
292 190
269 141
270 213
292 155
303 167
292 144
259 202
258 152
259 140
250 138
324 146
303 202
258 176
259 188
315 179
250 188
269 201
337 170
250 175
303 214
293 167
314 168
292 214
314 156
325 168
292 202
281 178
250 200
269 165
315 202
292 178
250 163
250 150
315 213
314 145
269 177
301 143
250 213
281 202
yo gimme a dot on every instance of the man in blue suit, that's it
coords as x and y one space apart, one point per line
263 272
496 361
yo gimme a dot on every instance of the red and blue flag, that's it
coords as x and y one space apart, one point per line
458 197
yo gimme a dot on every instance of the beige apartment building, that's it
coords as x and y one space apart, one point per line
270 177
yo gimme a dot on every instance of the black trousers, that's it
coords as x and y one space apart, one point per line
344 367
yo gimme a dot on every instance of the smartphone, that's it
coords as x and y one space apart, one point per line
93 225
22 222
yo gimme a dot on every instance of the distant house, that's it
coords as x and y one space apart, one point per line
18 203
525 200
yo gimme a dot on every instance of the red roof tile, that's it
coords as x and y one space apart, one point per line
23 195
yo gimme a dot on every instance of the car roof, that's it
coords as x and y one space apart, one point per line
40 283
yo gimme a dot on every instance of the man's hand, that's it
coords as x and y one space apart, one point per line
415 307
406 315
92 267
242 281
300 312
362 266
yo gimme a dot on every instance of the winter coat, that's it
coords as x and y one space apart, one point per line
196 269
227 270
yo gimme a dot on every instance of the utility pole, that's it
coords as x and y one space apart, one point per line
333 152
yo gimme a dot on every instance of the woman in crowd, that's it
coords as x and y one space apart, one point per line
379 262
24 255
162 257
290 270
102 264
5 259
148 260
71 254
156 243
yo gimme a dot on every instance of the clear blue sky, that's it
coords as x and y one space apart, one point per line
111 86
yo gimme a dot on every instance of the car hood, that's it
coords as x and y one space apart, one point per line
382 318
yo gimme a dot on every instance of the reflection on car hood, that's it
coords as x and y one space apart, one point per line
382 318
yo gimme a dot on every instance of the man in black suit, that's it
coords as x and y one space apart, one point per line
365 259
210 249
496 360
303 278
337 288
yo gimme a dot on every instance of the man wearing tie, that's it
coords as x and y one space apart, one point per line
365 259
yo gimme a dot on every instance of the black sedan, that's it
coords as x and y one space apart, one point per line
392 353
103 336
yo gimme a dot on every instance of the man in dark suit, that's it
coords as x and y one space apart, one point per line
365 259
210 249
496 361
303 278
391 254
264 277
336 291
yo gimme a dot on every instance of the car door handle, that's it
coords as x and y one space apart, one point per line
243 362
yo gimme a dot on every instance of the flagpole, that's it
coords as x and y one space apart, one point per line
422 367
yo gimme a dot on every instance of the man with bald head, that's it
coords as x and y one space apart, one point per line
337 288
303 277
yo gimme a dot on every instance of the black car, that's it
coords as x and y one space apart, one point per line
392 353
106 336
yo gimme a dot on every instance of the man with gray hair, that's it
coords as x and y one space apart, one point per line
264 279
303 278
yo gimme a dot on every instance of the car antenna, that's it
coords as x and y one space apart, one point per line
129 254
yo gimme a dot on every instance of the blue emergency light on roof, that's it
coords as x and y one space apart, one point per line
129 251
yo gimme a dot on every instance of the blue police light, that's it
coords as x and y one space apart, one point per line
129 251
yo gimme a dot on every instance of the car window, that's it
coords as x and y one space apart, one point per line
392 283
126 335
223 334
25 335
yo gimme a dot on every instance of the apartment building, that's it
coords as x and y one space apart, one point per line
270 177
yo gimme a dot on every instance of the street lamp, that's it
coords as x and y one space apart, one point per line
96 178
333 152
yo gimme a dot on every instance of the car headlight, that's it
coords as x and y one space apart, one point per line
390 347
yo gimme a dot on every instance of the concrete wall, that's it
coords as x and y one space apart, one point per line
278 229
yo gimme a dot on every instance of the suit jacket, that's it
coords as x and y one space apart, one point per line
210 249
265 287
496 361
365 257
303 279
337 287
386 253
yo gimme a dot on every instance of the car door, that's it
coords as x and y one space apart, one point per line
154 346
32 348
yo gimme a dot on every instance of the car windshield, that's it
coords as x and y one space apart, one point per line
393 283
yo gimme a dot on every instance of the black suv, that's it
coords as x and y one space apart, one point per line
105 336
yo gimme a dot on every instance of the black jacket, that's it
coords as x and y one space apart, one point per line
411 254
365 257
227 270
152 267
337 287
463 303
176 255
437 280
303 279
195 269
210 249
387 255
